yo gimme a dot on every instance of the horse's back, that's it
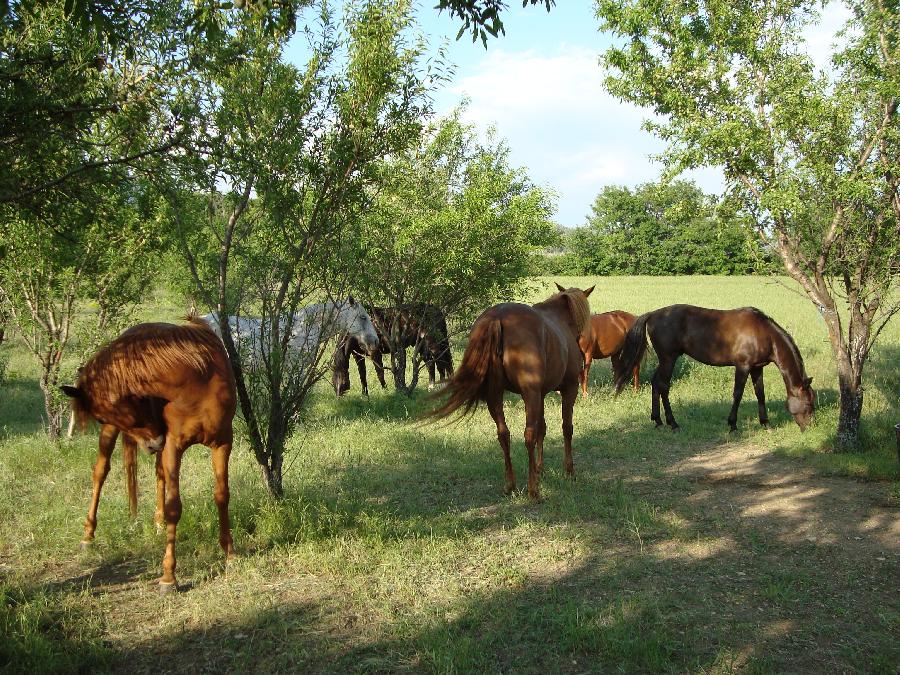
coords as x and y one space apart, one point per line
538 352
184 364
608 331
716 337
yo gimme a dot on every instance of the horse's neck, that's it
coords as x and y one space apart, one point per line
787 358
312 322
558 308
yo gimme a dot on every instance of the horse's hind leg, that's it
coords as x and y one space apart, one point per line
534 423
495 407
108 436
740 380
654 398
756 375
220 455
539 446
662 382
568 406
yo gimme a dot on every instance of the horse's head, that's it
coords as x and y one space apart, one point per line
579 307
356 322
139 417
800 403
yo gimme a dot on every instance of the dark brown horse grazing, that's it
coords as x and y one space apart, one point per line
602 338
744 338
167 387
421 326
530 350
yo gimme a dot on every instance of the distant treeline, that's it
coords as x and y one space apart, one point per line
659 229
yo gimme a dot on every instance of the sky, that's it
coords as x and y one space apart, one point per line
541 87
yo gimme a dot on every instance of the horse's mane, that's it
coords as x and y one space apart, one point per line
787 338
578 306
142 352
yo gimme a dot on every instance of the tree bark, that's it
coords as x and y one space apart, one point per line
850 390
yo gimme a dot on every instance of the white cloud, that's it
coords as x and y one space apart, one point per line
569 133
561 124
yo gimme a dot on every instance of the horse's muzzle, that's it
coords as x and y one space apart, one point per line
153 445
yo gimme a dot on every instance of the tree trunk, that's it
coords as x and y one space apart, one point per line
851 402
849 372
53 410
398 368
273 477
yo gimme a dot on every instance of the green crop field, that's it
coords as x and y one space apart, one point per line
394 548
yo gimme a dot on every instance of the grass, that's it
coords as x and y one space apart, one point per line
395 550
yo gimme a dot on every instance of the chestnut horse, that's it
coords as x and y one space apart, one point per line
744 338
602 338
529 350
166 387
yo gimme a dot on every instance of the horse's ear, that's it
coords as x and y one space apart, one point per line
561 289
351 300
807 382
71 392
588 291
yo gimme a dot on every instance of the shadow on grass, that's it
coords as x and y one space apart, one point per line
682 567
746 603
685 564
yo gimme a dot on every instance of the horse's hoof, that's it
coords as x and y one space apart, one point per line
733 430
659 425
676 429
85 544
167 587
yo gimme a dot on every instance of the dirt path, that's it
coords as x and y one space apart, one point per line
794 502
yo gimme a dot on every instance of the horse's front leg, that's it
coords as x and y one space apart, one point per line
569 395
171 464
740 380
756 375
378 362
583 375
361 367
108 436
495 406
159 515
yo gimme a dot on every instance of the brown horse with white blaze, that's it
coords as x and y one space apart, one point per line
530 350
744 338
166 387
603 337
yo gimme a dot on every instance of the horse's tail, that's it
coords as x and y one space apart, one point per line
129 451
482 357
632 352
